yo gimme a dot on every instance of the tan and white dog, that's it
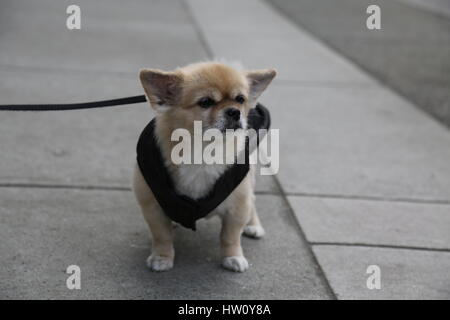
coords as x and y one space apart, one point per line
221 97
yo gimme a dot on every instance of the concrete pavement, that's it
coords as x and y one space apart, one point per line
102 232
65 176
364 176
410 53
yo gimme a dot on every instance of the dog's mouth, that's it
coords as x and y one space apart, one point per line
223 125
232 125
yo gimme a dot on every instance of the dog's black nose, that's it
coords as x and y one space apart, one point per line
233 113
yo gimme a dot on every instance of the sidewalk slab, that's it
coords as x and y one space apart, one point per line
410 52
113 36
423 225
258 37
358 141
405 274
440 7
46 230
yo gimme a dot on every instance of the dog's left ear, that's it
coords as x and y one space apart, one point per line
162 88
259 80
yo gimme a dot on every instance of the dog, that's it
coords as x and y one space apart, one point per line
220 96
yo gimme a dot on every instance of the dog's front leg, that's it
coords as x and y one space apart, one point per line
161 229
233 224
160 225
254 229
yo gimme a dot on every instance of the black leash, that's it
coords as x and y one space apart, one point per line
73 106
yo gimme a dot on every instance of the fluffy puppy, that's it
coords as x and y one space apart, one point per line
221 97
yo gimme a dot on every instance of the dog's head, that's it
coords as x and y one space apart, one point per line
214 93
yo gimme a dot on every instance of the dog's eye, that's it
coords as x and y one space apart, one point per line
240 99
206 102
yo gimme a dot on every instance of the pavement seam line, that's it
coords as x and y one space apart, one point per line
262 192
198 30
93 187
63 186
132 75
320 271
64 70
368 198
383 246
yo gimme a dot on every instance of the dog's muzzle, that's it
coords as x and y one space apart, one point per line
233 119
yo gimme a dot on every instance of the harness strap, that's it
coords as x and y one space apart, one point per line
181 208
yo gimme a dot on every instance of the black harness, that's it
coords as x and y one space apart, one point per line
180 208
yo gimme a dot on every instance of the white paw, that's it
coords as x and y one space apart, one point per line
254 231
159 263
235 263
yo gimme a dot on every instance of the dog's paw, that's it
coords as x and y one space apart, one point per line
159 263
235 263
255 232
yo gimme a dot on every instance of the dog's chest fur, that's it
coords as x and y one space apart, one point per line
197 180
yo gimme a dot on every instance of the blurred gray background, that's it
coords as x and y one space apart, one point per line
411 54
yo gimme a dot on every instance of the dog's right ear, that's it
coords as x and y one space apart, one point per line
163 89
259 80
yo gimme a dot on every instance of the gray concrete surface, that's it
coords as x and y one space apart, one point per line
65 177
260 42
359 142
354 221
113 36
344 135
104 233
405 274
440 7
411 52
